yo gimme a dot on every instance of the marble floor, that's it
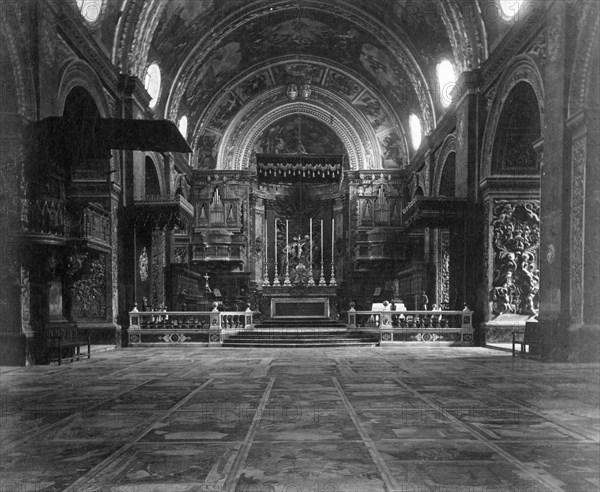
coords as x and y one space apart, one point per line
414 417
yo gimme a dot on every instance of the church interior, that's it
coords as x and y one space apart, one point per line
286 245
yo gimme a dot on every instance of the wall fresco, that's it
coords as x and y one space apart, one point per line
299 134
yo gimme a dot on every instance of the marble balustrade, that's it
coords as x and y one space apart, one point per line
424 325
190 327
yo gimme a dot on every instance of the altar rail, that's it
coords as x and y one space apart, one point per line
148 328
424 326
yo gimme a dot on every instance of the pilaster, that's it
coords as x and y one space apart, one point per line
555 190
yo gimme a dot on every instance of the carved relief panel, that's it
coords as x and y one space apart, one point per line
515 240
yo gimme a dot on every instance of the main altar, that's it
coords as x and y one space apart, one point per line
299 269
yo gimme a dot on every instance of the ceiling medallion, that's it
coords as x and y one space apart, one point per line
292 91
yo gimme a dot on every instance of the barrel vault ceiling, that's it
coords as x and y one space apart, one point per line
225 65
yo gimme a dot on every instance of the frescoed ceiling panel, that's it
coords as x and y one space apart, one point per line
376 111
218 56
280 34
299 134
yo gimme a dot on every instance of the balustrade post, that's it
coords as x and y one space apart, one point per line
352 316
215 317
248 318
134 317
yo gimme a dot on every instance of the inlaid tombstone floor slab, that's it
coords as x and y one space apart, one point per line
405 418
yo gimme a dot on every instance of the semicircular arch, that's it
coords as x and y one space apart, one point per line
356 134
77 73
522 69
448 147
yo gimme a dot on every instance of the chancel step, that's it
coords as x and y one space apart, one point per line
300 332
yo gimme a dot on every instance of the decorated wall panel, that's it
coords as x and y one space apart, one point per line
515 240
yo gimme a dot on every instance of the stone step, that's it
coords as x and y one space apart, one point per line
297 336
306 323
300 337
297 329
300 345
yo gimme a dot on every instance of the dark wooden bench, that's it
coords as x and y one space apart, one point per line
66 337
530 337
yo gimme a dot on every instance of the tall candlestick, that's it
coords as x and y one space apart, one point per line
266 241
321 239
286 281
310 239
332 279
311 280
332 237
276 279
322 278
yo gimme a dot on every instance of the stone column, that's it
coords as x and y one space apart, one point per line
584 235
554 252
126 227
468 238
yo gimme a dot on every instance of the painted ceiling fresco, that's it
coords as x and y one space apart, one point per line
183 20
375 112
295 134
216 56
280 34
299 135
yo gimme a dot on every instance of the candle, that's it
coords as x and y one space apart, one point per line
287 248
321 241
332 237
266 241
275 241
310 240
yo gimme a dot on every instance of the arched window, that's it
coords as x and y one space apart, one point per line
183 123
446 81
152 83
510 8
414 124
90 9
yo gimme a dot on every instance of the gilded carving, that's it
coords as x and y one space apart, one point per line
516 237
554 38
444 269
181 254
89 291
577 225
143 265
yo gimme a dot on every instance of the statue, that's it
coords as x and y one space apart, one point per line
423 302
